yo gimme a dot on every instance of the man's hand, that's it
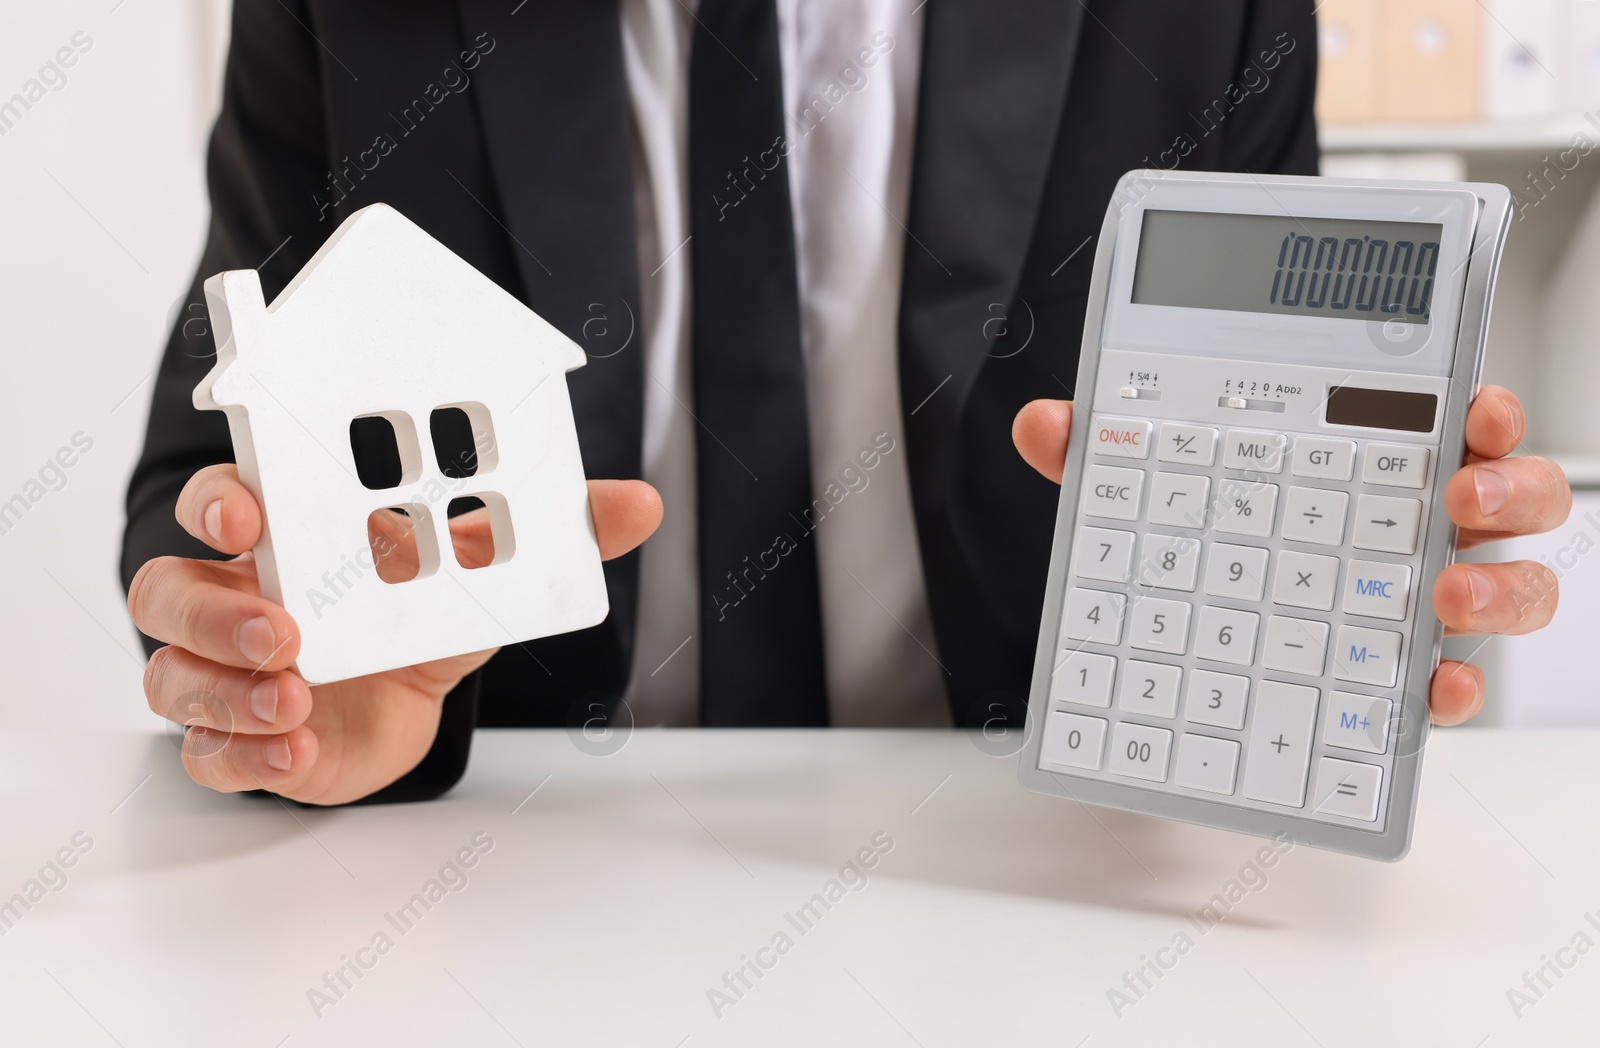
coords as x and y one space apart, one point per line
255 723
1491 497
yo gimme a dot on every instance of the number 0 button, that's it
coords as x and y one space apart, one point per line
1073 740
1140 752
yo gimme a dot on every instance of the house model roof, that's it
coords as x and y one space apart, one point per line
386 323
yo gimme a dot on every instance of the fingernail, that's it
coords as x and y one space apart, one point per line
212 519
1481 588
264 700
255 640
1492 491
277 753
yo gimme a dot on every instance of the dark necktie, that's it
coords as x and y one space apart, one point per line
761 615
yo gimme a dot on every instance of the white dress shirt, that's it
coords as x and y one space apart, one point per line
849 87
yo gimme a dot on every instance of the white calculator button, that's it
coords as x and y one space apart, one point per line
1315 515
1253 450
1112 491
1236 571
1226 635
1367 656
1347 788
1245 508
1120 438
1206 764
1355 722
1324 459
1280 743
1196 445
1093 615
1073 740
1169 562
1150 688
1179 500
1381 591
1159 625
1084 678
1398 465
1305 580
1295 645
1217 699
1101 553
1140 752
1385 524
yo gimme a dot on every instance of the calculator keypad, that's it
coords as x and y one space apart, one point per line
1236 615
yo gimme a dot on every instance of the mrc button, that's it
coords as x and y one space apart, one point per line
1399 465
1120 437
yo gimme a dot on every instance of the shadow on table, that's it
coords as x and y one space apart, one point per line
176 822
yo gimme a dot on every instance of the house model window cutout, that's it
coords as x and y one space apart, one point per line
389 387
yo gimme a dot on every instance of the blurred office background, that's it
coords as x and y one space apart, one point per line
104 205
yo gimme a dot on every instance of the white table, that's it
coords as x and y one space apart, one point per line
617 894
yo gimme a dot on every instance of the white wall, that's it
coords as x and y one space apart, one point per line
104 205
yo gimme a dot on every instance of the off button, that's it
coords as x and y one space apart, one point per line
1120 438
1398 465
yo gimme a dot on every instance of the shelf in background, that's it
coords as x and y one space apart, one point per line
1520 136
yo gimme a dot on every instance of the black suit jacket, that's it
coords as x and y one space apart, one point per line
503 130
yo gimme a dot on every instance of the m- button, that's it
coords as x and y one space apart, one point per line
1120 438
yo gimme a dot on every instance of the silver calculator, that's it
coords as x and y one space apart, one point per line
1238 628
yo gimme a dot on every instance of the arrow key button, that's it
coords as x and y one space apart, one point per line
1386 524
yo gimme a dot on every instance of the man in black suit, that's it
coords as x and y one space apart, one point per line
518 155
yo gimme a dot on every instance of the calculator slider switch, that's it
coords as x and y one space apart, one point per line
1245 404
1135 393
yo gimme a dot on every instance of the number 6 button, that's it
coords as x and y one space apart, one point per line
1225 635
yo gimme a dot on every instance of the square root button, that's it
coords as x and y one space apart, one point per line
1347 788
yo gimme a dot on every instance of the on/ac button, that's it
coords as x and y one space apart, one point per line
1120 437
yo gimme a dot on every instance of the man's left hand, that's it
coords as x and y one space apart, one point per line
1491 497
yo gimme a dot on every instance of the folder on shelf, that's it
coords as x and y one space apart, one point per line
1347 61
1522 57
1429 55
1582 67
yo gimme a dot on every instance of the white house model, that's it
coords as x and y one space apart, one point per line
386 323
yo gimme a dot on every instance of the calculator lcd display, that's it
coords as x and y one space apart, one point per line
1321 267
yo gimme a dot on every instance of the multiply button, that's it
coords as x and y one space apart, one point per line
1111 491
1249 449
1120 438
1399 465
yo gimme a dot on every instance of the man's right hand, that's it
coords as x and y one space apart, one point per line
254 722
